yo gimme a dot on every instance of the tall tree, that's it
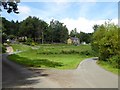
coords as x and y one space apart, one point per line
74 33
33 28
59 32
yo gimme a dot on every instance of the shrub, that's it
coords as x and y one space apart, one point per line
105 41
114 61
89 53
29 41
69 52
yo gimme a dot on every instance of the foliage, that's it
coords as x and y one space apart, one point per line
9 29
10 5
115 60
4 38
29 41
11 37
3 48
74 33
40 31
105 42
58 32
85 37
95 27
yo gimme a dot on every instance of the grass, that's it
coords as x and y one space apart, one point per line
20 47
60 56
108 67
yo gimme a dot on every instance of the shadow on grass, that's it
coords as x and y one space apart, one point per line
35 62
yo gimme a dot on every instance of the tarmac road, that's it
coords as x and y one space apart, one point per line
87 75
17 76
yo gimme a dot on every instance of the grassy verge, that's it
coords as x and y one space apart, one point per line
20 47
51 56
108 67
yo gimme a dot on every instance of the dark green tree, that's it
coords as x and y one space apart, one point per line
33 28
74 33
58 32
85 37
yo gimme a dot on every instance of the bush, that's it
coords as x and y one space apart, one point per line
29 41
69 52
33 43
89 53
105 41
114 61
11 37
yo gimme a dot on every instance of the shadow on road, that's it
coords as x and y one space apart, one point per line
14 75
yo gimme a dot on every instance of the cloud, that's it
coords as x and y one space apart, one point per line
24 9
83 24
70 0
50 10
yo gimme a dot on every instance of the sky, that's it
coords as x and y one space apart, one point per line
80 14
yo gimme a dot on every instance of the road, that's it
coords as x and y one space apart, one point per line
87 75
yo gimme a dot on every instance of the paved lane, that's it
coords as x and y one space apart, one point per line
16 76
87 75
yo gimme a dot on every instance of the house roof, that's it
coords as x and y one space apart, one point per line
74 38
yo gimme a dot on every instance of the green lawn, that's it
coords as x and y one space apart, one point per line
20 47
60 56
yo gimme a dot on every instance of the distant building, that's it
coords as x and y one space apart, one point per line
73 40
69 41
83 43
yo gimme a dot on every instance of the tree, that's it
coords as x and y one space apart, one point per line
74 33
95 27
85 37
10 27
58 32
10 5
33 28
36 30
105 42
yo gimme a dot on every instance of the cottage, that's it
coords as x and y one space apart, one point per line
69 41
73 40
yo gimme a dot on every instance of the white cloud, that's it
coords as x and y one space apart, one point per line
24 9
83 24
